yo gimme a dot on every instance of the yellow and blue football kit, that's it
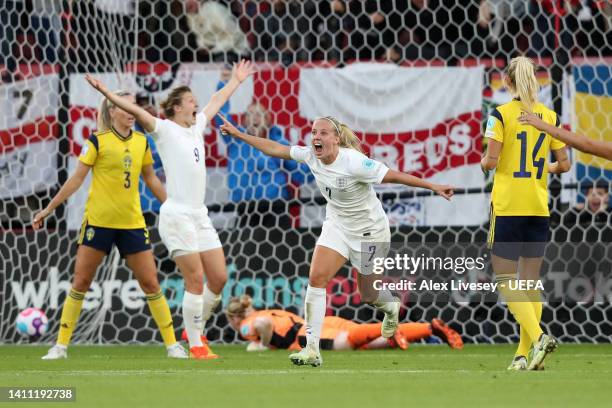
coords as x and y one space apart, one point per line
519 200
113 217
519 208
113 214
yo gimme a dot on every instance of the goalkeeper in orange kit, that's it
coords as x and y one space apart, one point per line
280 329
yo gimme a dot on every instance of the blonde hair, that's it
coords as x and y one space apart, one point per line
348 138
175 97
104 118
523 81
237 306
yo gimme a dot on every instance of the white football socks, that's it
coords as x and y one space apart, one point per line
192 318
210 301
315 313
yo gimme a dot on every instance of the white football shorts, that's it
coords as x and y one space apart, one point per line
186 230
360 251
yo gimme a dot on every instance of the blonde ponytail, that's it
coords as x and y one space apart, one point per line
523 82
237 306
348 138
104 119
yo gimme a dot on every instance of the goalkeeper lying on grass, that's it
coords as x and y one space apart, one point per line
279 329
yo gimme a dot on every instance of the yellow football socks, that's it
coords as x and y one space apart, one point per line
161 314
525 342
70 316
520 306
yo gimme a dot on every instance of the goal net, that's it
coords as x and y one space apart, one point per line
415 79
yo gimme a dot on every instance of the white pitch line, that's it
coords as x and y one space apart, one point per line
395 355
460 354
297 371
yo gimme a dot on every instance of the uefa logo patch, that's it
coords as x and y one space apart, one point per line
89 234
368 163
490 123
85 149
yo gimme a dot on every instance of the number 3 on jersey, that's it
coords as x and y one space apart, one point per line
539 163
196 153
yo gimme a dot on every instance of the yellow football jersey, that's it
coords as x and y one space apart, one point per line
114 199
520 186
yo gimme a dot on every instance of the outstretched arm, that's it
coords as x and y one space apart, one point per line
226 75
70 186
582 143
398 177
146 120
240 72
267 146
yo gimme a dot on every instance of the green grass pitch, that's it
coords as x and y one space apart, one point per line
423 375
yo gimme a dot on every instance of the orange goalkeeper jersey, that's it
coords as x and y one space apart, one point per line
285 327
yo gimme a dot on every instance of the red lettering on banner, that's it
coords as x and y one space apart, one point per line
453 143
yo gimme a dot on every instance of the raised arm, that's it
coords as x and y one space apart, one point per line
146 120
267 146
225 109
398 177
240 72
70 186
582 143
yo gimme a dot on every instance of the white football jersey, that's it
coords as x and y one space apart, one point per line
182 154
346 184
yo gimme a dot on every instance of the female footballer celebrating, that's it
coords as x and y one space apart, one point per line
117 156
356 225
184 225
519 204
